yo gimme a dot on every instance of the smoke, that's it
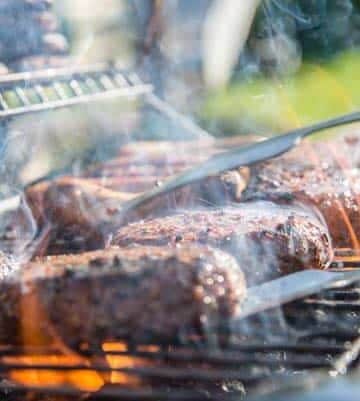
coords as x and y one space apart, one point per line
275 49
226 30
18 227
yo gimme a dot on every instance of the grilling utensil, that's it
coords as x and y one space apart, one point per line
239 157
292 287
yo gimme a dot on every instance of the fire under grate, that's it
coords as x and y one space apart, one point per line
319 333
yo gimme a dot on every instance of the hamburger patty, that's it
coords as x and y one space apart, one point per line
136 293
325 176
266 239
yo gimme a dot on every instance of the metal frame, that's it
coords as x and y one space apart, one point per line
68 86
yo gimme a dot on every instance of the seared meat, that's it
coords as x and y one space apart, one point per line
80 212
134 294
77 213
34 197
325 176
73 211
81 215
142 165
265 238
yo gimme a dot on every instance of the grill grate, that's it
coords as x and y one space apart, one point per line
30 92
328 340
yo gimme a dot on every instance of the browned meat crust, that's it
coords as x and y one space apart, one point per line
325 176
135 294
77 210
81 215
265 238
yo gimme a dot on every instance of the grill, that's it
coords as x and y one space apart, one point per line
317 333
320 332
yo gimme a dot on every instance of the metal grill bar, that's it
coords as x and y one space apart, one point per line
92 85
258 348
213 358
41 93
52 74
57 104
163 373
3 104
22 96
343 363
110 392
231 355
58 88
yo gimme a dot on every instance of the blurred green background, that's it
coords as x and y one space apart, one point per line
301 64
315 92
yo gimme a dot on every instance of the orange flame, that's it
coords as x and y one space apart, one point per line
122 361
87 380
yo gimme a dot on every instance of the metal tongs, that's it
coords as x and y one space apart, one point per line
239 157
292 287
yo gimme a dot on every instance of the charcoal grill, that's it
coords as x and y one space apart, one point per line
322 332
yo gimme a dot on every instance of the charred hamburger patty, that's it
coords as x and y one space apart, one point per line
134 294
323 175
267 239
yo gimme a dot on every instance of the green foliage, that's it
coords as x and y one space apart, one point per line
316 92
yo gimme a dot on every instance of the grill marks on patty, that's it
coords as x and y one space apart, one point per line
267 239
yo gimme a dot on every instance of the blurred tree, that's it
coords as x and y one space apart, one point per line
287 31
